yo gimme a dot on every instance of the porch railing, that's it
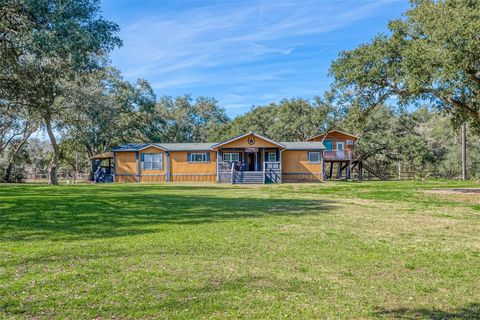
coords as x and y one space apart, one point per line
337 155
272 171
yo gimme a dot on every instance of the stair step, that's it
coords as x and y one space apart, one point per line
246 177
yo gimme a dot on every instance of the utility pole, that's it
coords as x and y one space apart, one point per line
464 151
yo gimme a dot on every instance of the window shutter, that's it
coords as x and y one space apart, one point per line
189 157
142 157
208 156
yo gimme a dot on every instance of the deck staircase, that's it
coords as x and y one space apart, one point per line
248 177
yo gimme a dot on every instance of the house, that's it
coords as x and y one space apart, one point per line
247 158
339 152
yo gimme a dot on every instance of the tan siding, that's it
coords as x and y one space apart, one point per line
297 161
295 167
125 162
182 170
125 179
153 178
180 164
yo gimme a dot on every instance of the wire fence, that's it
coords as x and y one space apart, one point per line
65 177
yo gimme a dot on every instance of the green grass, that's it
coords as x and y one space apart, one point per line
333 250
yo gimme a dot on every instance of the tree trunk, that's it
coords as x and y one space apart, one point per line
53 167
8 172
464 151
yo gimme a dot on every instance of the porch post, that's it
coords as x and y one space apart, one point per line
218 165
263 162
167 159
114 167
137 168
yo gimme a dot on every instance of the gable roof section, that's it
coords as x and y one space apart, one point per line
152 145
246 135
324 134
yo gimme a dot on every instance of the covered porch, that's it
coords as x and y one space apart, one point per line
103 168
249 158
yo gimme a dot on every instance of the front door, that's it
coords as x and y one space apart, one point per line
251 161
340 148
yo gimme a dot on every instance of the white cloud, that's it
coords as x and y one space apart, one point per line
232 43
227 34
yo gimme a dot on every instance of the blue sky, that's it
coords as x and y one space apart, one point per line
243 53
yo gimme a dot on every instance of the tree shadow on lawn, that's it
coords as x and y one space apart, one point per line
205 298
89 216
471 311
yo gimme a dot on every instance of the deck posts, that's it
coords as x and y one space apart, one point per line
349 170
324 173
360 170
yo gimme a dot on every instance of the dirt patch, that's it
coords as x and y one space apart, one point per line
465 195
456 191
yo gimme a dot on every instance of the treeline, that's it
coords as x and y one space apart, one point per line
425 141
55 78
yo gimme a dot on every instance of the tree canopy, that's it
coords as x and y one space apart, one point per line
43 44
430 55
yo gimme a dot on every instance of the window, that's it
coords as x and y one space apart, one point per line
231 157
314 157
349 142
199 157
152 161
272 156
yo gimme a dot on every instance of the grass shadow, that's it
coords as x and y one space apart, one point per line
87 213
471 311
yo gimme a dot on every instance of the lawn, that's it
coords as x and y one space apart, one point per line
341 250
